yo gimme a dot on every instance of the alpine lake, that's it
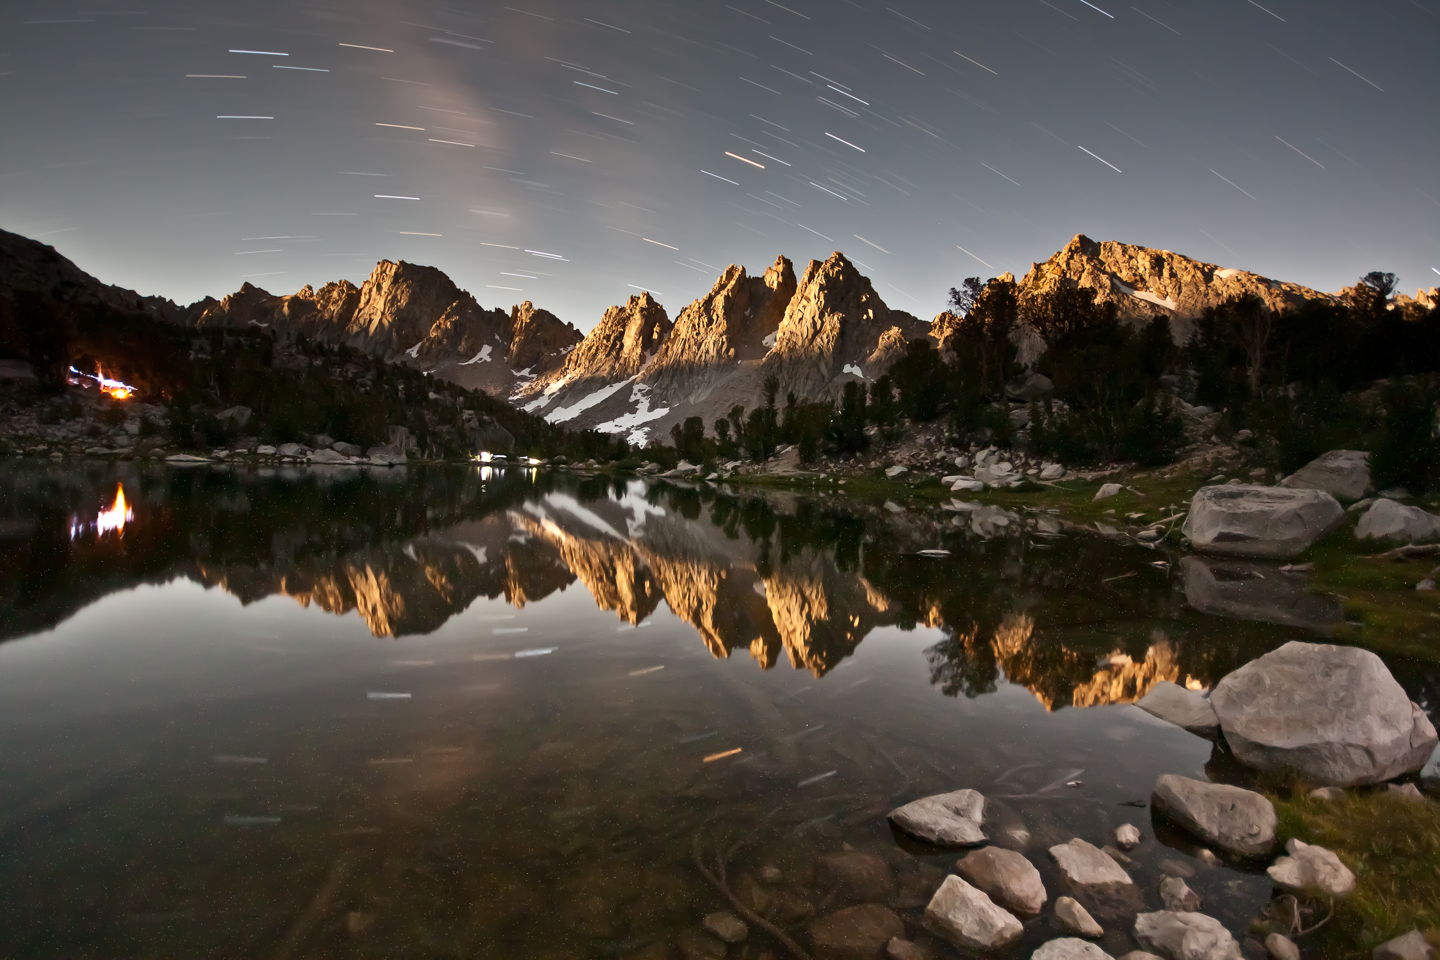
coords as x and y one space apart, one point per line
514 713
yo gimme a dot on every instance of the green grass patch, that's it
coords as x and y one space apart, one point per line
1383 609
1393 847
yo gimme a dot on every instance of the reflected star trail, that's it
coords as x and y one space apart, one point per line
1289 138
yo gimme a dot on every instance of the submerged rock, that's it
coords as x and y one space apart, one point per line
1327 714
1244 520
857 875
1175 894
1311 869
1006 877
967 918
1184 708
727 926
1234 819
948 819
1182 935
855 933
1344 474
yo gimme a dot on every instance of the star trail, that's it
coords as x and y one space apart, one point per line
621 144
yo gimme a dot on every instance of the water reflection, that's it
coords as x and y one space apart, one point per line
777 579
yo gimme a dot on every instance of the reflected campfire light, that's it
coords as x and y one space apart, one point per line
115 389
112 518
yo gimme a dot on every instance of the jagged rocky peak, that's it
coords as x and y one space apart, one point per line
246 306
539 340
737 320
1143 282
626 337
836 325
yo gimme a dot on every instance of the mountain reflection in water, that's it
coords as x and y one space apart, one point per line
770 577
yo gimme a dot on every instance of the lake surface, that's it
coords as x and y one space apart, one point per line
455 712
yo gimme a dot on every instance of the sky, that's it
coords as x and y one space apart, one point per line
574 152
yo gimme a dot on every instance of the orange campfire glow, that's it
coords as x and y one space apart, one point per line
111 518
111 388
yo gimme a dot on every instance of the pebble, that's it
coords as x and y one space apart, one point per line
727 927
1281 947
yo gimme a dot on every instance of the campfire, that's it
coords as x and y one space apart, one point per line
116 389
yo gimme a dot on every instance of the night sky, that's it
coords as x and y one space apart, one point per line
573 152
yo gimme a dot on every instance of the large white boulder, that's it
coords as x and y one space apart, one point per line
1327 714
967 918
1179 935
1344 474
1244 520
949 819
1396 522
1234 819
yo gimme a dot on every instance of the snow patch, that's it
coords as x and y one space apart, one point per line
630 423
257 323
1148 297
586 402
854 370
769 340
414 351
482 357
1227 273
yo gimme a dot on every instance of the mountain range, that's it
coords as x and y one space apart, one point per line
638 371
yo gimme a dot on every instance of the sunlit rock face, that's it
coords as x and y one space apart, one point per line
1142 282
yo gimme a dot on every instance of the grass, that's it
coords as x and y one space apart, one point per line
1393 847
1382 607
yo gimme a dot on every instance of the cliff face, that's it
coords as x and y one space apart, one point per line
1143 282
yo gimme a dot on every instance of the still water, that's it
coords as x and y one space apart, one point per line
464 713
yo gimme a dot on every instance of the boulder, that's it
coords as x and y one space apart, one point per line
1181 935
1327 714
896 471
1034 387
1184 708
1344 474
1052 471
384 455
967 485
1430 773
1408 946
1127 835
1397 523
726 926
235 417
1085 865
1071 917
948 819
901 949
1069 948
1258 592
327 456
968 919
1245 520
855 933
292 450
1234 819
1006 877
1311 869
1175 894
857 875
1107 490
347 449
1281 947
264 450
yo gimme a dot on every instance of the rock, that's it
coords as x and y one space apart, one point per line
1234 819
1244 520
1311 869
1250 590
901 949
1281 947
1405 791
727 926
1184 708
1127 836
1344 474
1069 948
896 471
967 485
292 449
1397 523
1408 946
1034 387
855 933
1425 585
698 945
1006 877
857 875
1171 867
186 458
235 417
385 456
967 918
1086 865
1052 471
327 456
1139 955
948 819
1327 714
1326 793
1175 894
347 449
1107 490
1074 918
1185 936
